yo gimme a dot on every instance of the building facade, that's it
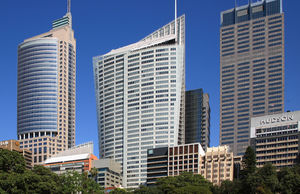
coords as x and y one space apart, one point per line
215 165
46 91
78 158
218 164
140 95
276 139
14 145
157 164
251 69
108 173
197 118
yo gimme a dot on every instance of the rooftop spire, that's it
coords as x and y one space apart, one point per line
69 6
175 20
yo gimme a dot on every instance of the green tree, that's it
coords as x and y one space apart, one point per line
73 182
94 173
28 182
228 187
119 191
250 183
11 161
263 181
289 181
268 175
248 162
184 183
147 190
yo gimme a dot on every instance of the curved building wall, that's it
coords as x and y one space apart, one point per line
139 94
46 92
37 86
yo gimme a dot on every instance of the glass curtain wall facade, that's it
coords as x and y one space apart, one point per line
197 118
46 91
251 69
140 92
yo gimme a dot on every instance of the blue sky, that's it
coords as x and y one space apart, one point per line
104 25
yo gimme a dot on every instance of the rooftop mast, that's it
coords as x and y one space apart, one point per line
175 21
69 6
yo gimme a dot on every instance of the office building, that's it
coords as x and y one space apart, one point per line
46 91
140 95
215 165
251 69
78 158
197 118
219 164
14 145
276 139
185 158
108 173
157 164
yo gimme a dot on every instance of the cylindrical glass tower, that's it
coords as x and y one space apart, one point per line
37 87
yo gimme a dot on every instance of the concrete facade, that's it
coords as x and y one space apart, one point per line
78 158
276 139
251 69
108 173
215 165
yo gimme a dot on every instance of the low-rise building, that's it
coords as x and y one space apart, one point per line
108 173
275 139
14 145
185 158
78 158
216 164
157 164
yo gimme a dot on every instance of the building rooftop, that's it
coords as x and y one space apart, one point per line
251 11
80 152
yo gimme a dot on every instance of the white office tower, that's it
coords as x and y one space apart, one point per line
140 92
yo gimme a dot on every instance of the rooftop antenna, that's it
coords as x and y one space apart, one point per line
175 21
69 13
69 6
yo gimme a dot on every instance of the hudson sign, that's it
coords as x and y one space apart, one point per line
277 119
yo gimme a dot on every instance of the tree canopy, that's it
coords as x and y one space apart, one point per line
15 179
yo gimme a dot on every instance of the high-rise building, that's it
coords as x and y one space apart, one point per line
140 94
276 139
46 91
197 118
251 69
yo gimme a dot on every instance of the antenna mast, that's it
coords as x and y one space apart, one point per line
175 21
69 6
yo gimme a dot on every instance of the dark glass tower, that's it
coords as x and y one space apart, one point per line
251 69
197 116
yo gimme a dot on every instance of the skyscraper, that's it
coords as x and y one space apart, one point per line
197 118
251 69
46 91
140 92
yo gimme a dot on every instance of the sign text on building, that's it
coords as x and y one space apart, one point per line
2 143
277 119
